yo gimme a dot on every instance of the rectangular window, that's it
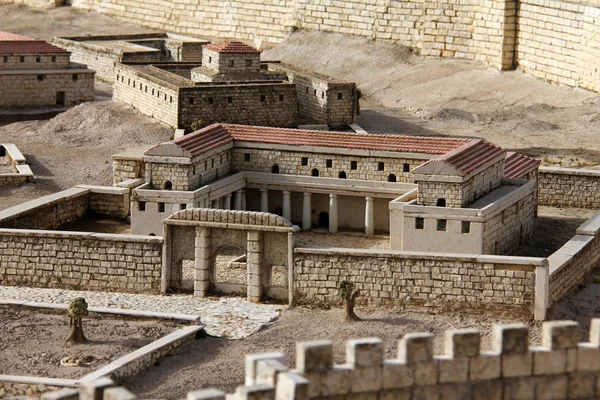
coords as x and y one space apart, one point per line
38 59
231 63
322 95
117 77
248 63
419 223
229 100
221 159
40 77
75 77
22 59
146 89
340 96
210 100
209 60
380 166
191 100
128 81
161 207
183 206
466 227
152 92
263 98
5 59
307 90
212 163
304 161
142 205
53 58
353 165
170 99
329 163
405 168
281 97
247 157
441 224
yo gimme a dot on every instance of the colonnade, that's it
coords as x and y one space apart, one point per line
237 201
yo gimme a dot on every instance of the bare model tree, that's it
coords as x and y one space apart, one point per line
78 308
347 293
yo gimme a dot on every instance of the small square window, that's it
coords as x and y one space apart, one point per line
328 163
304 161
53 58
247 157
340 96
441 224
142 205
229 100
419 223
210 100
22 59
380 166
38 59
161 207
40 77
466 227
75 77
231 63
281 97
183 206
191 100
353 165
248 63
263 98
406 168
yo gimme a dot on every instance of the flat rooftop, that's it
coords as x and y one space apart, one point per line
494 196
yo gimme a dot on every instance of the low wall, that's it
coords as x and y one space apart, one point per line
80 260
12 387
431 280
569 187
11 156
113 202
572 263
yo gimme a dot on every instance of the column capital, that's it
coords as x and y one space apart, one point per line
286 192
307 193
333 196
264 190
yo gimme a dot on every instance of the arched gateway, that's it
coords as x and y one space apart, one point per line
199 234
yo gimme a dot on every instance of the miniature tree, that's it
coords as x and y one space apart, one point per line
78 308
349 295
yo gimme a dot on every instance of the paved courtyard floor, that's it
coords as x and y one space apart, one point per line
227 317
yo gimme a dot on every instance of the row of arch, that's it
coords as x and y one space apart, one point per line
341 174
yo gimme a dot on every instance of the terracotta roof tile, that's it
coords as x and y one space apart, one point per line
15 44
231 47
218 134
471 156
516 165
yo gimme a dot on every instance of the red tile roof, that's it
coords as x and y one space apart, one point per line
231 47
15 44
471 156
517 165
216 135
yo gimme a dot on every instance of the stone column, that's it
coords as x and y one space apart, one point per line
287 205
333 213
243 194
306 211
237 204
202 262
369 217
254 259
264 200
227 204
213 204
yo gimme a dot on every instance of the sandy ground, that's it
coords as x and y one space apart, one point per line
32 341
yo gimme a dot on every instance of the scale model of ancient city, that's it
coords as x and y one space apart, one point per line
293 200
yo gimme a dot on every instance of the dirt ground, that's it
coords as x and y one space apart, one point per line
33 341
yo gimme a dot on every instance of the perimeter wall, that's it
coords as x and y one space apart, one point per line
555 40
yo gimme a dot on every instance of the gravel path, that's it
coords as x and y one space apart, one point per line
226 317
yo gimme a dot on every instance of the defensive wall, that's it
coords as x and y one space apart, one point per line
569 187
12 159
556 40
561 368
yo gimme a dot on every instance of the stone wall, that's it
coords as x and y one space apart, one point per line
263 104
29 61
394 278
12 160
125 169
561 368
41 88
9 389
75 260
572 263
368 167
111 202
150 96
569 187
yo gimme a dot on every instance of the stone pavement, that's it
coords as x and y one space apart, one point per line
227 317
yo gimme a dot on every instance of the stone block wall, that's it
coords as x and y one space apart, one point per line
430 192
209 167
74 260
149 96
109 202
21 89
290 162
267 104
29 61
506 230
444 281
569 187
222 62
125 169
561 368
158 174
